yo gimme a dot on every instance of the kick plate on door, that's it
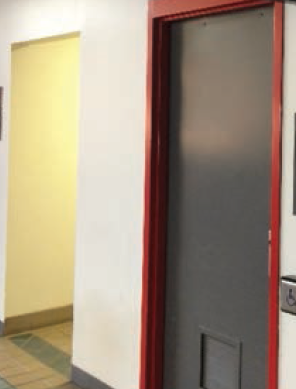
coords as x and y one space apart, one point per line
288 294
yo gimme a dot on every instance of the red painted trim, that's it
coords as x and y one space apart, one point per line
214 11
155 208
161 13
145 350
164 8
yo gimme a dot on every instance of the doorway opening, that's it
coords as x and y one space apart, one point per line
42 201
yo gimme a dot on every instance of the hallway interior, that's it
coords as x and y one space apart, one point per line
39 359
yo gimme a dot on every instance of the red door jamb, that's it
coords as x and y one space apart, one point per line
161 14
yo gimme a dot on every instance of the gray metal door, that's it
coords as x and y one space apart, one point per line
219 201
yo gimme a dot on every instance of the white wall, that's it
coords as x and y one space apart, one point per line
111 166
110 197
288 238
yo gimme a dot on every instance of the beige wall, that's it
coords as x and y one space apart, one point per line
24 20
42 175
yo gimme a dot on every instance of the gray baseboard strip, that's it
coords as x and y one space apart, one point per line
31 321
86 381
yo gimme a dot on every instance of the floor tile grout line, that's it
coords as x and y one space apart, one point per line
52 341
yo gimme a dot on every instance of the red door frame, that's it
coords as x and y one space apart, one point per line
161 14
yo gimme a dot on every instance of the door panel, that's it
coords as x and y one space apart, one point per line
219 200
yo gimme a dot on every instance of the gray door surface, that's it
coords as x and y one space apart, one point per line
216 326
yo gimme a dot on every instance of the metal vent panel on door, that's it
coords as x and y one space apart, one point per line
220 361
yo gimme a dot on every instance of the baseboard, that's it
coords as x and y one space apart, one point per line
31 321
86 381
1 328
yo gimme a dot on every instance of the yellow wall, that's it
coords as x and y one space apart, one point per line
42 174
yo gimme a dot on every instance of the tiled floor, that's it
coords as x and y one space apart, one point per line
38 359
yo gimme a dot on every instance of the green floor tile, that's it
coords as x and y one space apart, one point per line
46 353
20 340
5 385
62 366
